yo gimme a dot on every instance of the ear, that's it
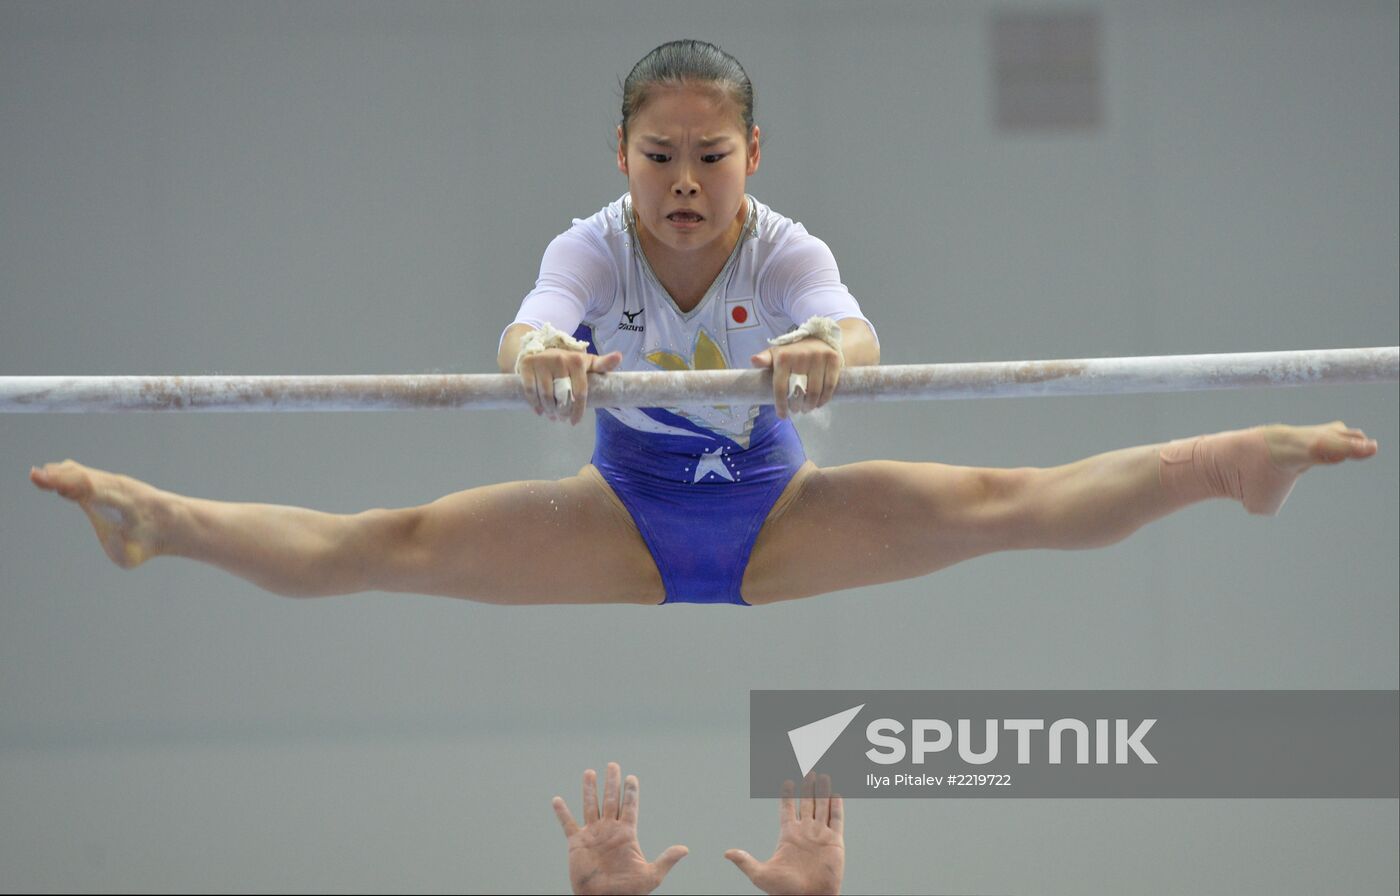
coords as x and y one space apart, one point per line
754 153
621 152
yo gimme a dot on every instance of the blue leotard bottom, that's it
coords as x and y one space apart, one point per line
698 498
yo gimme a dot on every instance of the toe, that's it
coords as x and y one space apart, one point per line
1337 447
74 485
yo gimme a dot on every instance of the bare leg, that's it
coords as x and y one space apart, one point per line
900 520
565 541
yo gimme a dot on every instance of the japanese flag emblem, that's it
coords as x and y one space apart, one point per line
738 314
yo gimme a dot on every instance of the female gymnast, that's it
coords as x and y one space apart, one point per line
708 505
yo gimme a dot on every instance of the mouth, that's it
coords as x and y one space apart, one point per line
685 217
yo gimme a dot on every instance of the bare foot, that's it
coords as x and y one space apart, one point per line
1295 448
1292 451
1258 466
123 511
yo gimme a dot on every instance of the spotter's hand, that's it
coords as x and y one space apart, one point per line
811 853
811 358
604 854
555 381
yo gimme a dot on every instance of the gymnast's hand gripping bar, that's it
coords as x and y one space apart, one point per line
997 379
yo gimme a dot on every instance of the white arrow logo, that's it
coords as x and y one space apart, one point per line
811 741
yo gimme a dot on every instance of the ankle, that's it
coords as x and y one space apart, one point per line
1237 465
172 520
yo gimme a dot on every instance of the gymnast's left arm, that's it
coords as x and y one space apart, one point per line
802 283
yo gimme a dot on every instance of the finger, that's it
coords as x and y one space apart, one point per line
590 797
631 799
838 816
823 807
781 374
668 859
830 378
799 374
765 359
786 810
611 785
797 392
527 387
578 382
745 862
816 383
605 363
555 388
576 409
808 808
549 378
566 818
544 394
562 388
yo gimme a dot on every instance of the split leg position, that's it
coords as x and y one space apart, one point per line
572 541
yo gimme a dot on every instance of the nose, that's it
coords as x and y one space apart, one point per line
685 184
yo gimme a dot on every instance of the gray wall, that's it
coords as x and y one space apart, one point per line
335 188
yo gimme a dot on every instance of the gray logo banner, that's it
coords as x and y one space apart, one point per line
1143 744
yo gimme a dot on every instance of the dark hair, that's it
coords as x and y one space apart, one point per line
683 62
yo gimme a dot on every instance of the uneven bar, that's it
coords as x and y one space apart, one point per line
998 379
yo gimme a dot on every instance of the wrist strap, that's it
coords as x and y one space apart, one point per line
547 337
823 328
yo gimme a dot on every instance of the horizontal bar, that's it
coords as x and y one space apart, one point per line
998 379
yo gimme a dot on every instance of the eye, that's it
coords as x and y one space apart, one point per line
714 157
657 157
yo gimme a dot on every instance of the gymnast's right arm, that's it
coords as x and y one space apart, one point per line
573 271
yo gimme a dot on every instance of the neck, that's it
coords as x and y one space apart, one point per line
699 266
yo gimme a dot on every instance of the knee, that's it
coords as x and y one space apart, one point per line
393 548
974 501
390 530
1008 488
439 549
987 492
1001 503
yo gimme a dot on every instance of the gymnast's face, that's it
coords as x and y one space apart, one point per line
686 149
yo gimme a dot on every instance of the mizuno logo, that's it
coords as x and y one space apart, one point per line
631 323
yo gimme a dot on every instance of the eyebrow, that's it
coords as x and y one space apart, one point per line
706 141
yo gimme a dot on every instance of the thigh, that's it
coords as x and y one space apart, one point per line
537 542
879 521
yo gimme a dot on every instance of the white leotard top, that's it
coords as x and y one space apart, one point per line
595 283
